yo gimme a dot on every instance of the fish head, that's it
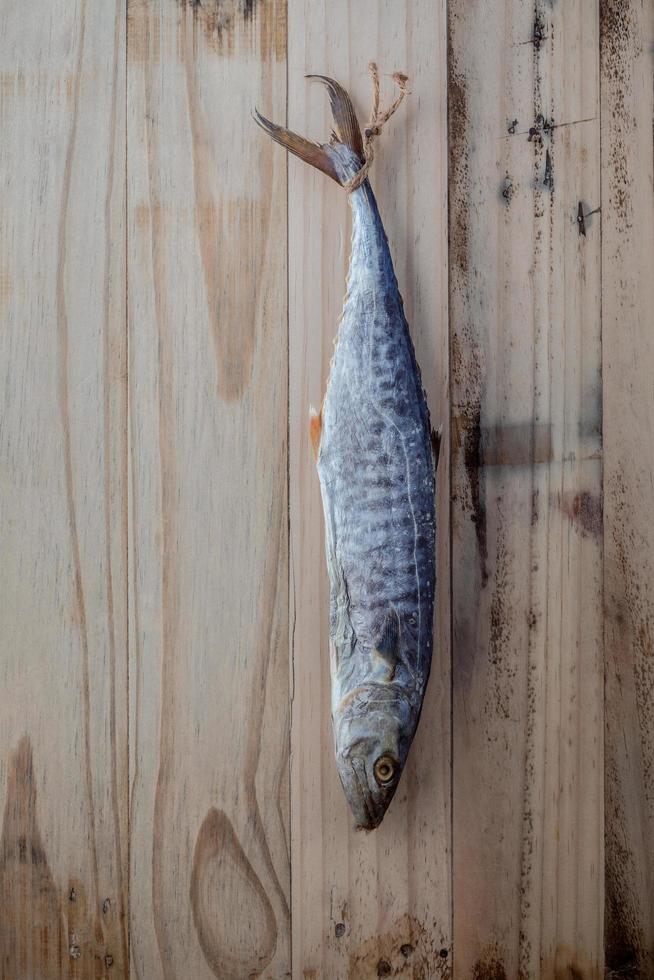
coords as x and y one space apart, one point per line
372 732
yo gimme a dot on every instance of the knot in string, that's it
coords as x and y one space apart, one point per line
378 119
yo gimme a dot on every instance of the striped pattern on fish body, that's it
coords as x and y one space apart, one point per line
377 476
376 473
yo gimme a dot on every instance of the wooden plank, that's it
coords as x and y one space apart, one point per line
365 905
628 368
208 508
63 663
526 521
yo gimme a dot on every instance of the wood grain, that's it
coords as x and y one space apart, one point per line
527 507
208 506
63 575
377 904
627 30
160 785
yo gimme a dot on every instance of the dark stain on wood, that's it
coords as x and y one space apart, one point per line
407 952
539 33
584 509
468 435
33 938
520 444
624 945
501 667
629 682
472 457
457 108
619 42
220 17
548 179
466 358
222 872
507 189
229 24
468 439
490 965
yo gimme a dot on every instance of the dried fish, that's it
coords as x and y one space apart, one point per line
376 457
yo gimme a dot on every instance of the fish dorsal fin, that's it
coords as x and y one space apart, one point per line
387 644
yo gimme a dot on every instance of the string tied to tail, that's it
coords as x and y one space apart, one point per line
378 119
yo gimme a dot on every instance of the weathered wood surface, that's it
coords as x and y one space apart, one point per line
526 465
375 904
208 513
627 32
156 249
63 712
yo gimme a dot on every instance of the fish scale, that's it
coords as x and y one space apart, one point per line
377 477
373 471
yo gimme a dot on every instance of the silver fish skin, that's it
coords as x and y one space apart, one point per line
376 466
377 478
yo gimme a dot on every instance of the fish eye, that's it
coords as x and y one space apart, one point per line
385 768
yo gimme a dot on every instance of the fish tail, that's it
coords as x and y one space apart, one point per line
320 155
346 124
313 153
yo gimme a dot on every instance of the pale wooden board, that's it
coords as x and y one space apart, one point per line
628 370
63 717
390 888
208 506
210 836
527 526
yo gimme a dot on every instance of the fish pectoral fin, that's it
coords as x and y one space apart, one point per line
436 438
387 645
315 430
390 667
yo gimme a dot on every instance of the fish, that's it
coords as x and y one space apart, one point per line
376 455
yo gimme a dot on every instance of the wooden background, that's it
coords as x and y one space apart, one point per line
170 286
